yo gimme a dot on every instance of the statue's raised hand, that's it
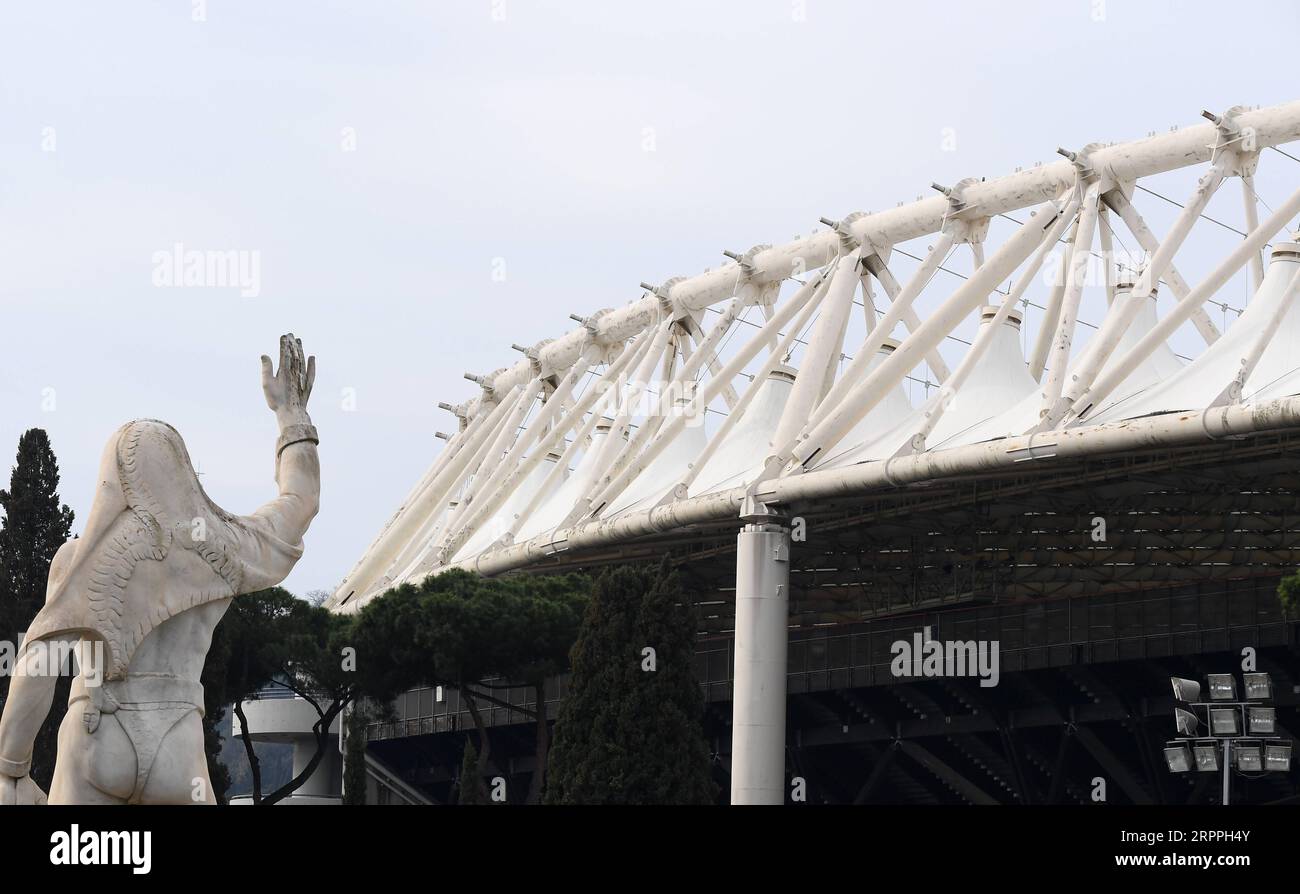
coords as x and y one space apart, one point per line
19 791
289 387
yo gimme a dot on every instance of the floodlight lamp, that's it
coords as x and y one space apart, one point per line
1277 758
1261 721
1223 687
1207 756
1179 758
1249 758
1223 721
1185 721
1186 690
1259 687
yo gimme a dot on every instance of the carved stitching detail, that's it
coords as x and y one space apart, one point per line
145 535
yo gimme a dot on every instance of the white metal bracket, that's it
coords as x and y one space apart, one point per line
974 227
1238 143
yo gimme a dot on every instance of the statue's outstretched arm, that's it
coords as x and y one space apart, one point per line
30 696
297 466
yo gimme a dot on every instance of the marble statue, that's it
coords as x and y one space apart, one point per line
137 598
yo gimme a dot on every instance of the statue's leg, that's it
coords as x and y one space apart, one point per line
180 770
96 768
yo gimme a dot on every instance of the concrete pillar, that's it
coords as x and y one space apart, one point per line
762 621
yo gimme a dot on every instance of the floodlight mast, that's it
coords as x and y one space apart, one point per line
1227 769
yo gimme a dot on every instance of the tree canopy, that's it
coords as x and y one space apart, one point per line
458 629
630 730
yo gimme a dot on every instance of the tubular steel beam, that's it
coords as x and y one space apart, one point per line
1124 161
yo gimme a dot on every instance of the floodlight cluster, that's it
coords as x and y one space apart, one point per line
1239 733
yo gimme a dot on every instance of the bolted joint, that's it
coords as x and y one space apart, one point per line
843 229
964 217
1232 138
461 412
1082 163
754 511
533 354
745 263
484 382
592 325
663 294
959 207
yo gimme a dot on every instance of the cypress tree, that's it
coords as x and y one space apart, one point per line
35 525
470 785
630 730
354 757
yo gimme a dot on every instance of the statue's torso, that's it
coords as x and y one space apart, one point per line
149 719
179 646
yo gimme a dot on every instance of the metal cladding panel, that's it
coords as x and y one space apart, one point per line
750 438
1200 382
496 526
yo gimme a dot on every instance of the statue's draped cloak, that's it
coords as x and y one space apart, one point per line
154 546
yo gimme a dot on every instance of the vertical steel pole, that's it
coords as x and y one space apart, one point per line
1227 764
762 620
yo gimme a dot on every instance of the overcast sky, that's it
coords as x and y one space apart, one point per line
381 159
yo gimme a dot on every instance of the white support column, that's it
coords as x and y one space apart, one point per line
825 343
1104 236
1252 221
1163 256
713 365
1052 309
762 622
881 271
1148 242
1058 357
868 300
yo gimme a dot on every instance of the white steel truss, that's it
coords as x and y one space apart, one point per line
617 419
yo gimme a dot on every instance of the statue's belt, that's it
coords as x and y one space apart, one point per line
138 692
